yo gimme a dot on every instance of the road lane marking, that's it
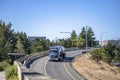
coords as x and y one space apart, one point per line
45 67
68 72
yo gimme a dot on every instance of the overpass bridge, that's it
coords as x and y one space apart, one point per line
36 67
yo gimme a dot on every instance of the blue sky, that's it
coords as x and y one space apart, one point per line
50 17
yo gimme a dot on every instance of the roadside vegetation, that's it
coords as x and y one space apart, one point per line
99 64
3 65
17 42
89 69
109 54
11 73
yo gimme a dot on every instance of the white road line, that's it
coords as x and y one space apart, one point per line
45 67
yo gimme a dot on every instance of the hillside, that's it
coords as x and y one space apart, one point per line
90 70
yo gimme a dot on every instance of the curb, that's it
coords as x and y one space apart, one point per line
77 56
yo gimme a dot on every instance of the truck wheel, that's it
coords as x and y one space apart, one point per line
63 55
60 59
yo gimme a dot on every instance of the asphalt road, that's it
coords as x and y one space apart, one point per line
60 70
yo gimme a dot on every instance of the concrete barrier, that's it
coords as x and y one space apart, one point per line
19 66
25 73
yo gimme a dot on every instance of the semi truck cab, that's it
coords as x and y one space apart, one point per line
56 53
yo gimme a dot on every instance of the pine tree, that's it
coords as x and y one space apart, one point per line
20 47
36 46
74 38
90 36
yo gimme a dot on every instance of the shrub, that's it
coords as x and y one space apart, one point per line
96 55
110 52
11 73
3 65
117 55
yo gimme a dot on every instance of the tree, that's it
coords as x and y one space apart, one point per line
26 43
96 55
1 41
81 42
74 38
83 33
11 42
24 40
109 51
61 42
90 36
65 42
5 39
117 55
45 44
20 47
36 46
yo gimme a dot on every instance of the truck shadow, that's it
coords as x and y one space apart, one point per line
66 59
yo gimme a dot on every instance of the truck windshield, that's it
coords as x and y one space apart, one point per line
55 51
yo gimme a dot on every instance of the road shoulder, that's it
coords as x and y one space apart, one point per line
2 75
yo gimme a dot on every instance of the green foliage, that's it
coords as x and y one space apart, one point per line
109 51
3 65
11 73
83 33
96 55
40 45
117 55
90 36
74 38
45 44
21 41
25 42
36 46
81 42
77 40
5 39
67 43
19 46
12 42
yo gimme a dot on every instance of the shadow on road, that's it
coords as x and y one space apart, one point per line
31 73
66 59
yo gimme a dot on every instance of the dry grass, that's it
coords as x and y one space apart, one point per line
90 70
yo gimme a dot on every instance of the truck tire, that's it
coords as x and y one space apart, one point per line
64 55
